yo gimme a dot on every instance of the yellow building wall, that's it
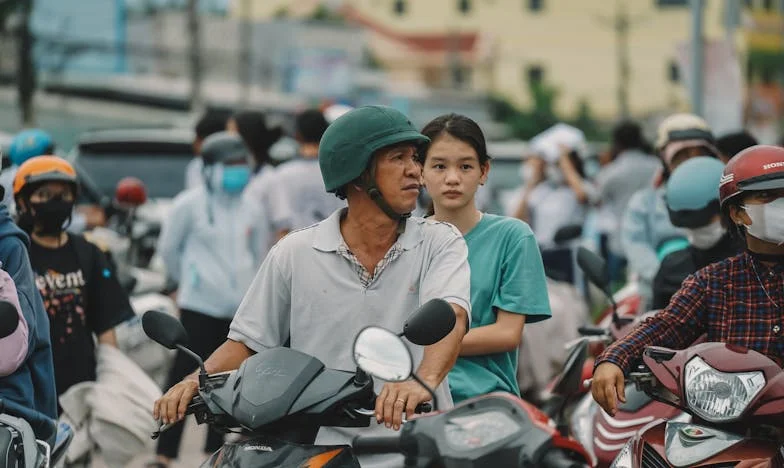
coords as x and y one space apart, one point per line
572 40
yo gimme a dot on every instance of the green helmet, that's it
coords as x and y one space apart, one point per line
348 144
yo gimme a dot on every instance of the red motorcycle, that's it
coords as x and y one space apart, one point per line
736 399
603 435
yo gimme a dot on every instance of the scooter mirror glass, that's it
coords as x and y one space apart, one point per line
164 329
594 267
383 355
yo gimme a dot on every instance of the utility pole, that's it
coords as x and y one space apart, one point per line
622 24
622 43
244 56
697 56
25 74
194 37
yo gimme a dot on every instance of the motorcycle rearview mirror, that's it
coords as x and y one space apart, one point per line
595 269
9 319
168 332
384 355
430 323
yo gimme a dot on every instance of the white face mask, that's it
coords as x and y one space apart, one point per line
767 221
706 237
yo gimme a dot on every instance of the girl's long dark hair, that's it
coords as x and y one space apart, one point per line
457 126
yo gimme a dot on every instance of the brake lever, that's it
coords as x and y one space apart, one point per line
587 383
420 409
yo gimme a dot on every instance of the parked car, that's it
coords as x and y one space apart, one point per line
158 157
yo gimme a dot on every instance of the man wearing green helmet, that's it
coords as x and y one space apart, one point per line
368 264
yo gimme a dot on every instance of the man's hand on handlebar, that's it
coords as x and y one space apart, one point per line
396 398
608 387
170 408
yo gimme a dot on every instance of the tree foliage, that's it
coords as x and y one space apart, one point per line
541 115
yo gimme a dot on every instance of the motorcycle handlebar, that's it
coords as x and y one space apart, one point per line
194 405
587 330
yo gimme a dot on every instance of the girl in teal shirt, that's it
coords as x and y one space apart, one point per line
508 285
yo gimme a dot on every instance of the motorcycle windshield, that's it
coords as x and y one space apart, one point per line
263 452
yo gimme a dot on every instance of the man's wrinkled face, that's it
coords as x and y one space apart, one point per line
398 176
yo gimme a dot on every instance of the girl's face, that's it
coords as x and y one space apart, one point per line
452 172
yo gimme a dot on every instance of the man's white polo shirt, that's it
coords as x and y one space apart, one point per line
309 291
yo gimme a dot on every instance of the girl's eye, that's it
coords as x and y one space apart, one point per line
439 166
467 167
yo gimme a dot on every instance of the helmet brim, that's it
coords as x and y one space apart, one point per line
766 182
694 218
407 136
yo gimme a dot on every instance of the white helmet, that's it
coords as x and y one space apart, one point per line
333 112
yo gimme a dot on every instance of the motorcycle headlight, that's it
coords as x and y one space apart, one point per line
624 458
719 396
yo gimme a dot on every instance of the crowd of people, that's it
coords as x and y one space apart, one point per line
307 253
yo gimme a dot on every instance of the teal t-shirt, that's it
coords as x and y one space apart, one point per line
506 273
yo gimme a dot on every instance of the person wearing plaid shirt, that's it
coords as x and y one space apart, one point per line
737 301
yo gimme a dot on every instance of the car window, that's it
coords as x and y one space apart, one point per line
162 174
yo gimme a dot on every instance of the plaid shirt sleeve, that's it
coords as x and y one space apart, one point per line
675 327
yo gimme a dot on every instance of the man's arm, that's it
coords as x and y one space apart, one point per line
439 358
397 398
448 277
260 322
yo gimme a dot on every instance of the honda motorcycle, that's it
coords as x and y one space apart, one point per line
280 398
735 397
601 434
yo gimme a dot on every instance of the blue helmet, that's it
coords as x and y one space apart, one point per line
29 144
692 192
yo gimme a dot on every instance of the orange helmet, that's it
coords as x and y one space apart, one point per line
43 169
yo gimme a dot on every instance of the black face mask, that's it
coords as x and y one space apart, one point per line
50 216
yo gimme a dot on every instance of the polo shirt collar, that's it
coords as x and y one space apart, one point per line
328 237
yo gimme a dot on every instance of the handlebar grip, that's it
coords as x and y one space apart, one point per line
588 330
375 445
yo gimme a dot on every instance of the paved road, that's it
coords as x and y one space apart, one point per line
190 450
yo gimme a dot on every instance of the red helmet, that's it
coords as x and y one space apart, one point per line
759 167
131 191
